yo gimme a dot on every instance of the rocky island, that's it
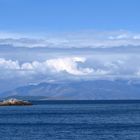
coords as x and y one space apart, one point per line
14 102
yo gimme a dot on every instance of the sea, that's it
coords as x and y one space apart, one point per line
71 120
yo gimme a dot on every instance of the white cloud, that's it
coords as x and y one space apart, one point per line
70 65
137 73
67 64
83 39
9 64
137 36
119 37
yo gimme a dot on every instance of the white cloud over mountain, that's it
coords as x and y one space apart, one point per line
68 65
72 65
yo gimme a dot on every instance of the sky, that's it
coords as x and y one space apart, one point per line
69 15
66 40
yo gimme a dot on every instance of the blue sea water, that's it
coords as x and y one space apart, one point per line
71 120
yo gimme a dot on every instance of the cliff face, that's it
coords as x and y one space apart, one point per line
14 102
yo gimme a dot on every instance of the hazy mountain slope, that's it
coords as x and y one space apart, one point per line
98 89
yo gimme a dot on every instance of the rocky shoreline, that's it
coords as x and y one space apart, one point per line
14 102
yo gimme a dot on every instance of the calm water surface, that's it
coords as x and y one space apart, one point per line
71 120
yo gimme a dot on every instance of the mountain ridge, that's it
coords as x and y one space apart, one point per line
80 90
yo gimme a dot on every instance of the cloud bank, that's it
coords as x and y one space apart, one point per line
67 64
23 60
85 39
70 66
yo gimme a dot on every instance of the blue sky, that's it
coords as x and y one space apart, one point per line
69 15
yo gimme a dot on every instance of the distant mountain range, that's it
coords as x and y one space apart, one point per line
83 90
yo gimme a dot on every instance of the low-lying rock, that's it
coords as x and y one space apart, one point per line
12 102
